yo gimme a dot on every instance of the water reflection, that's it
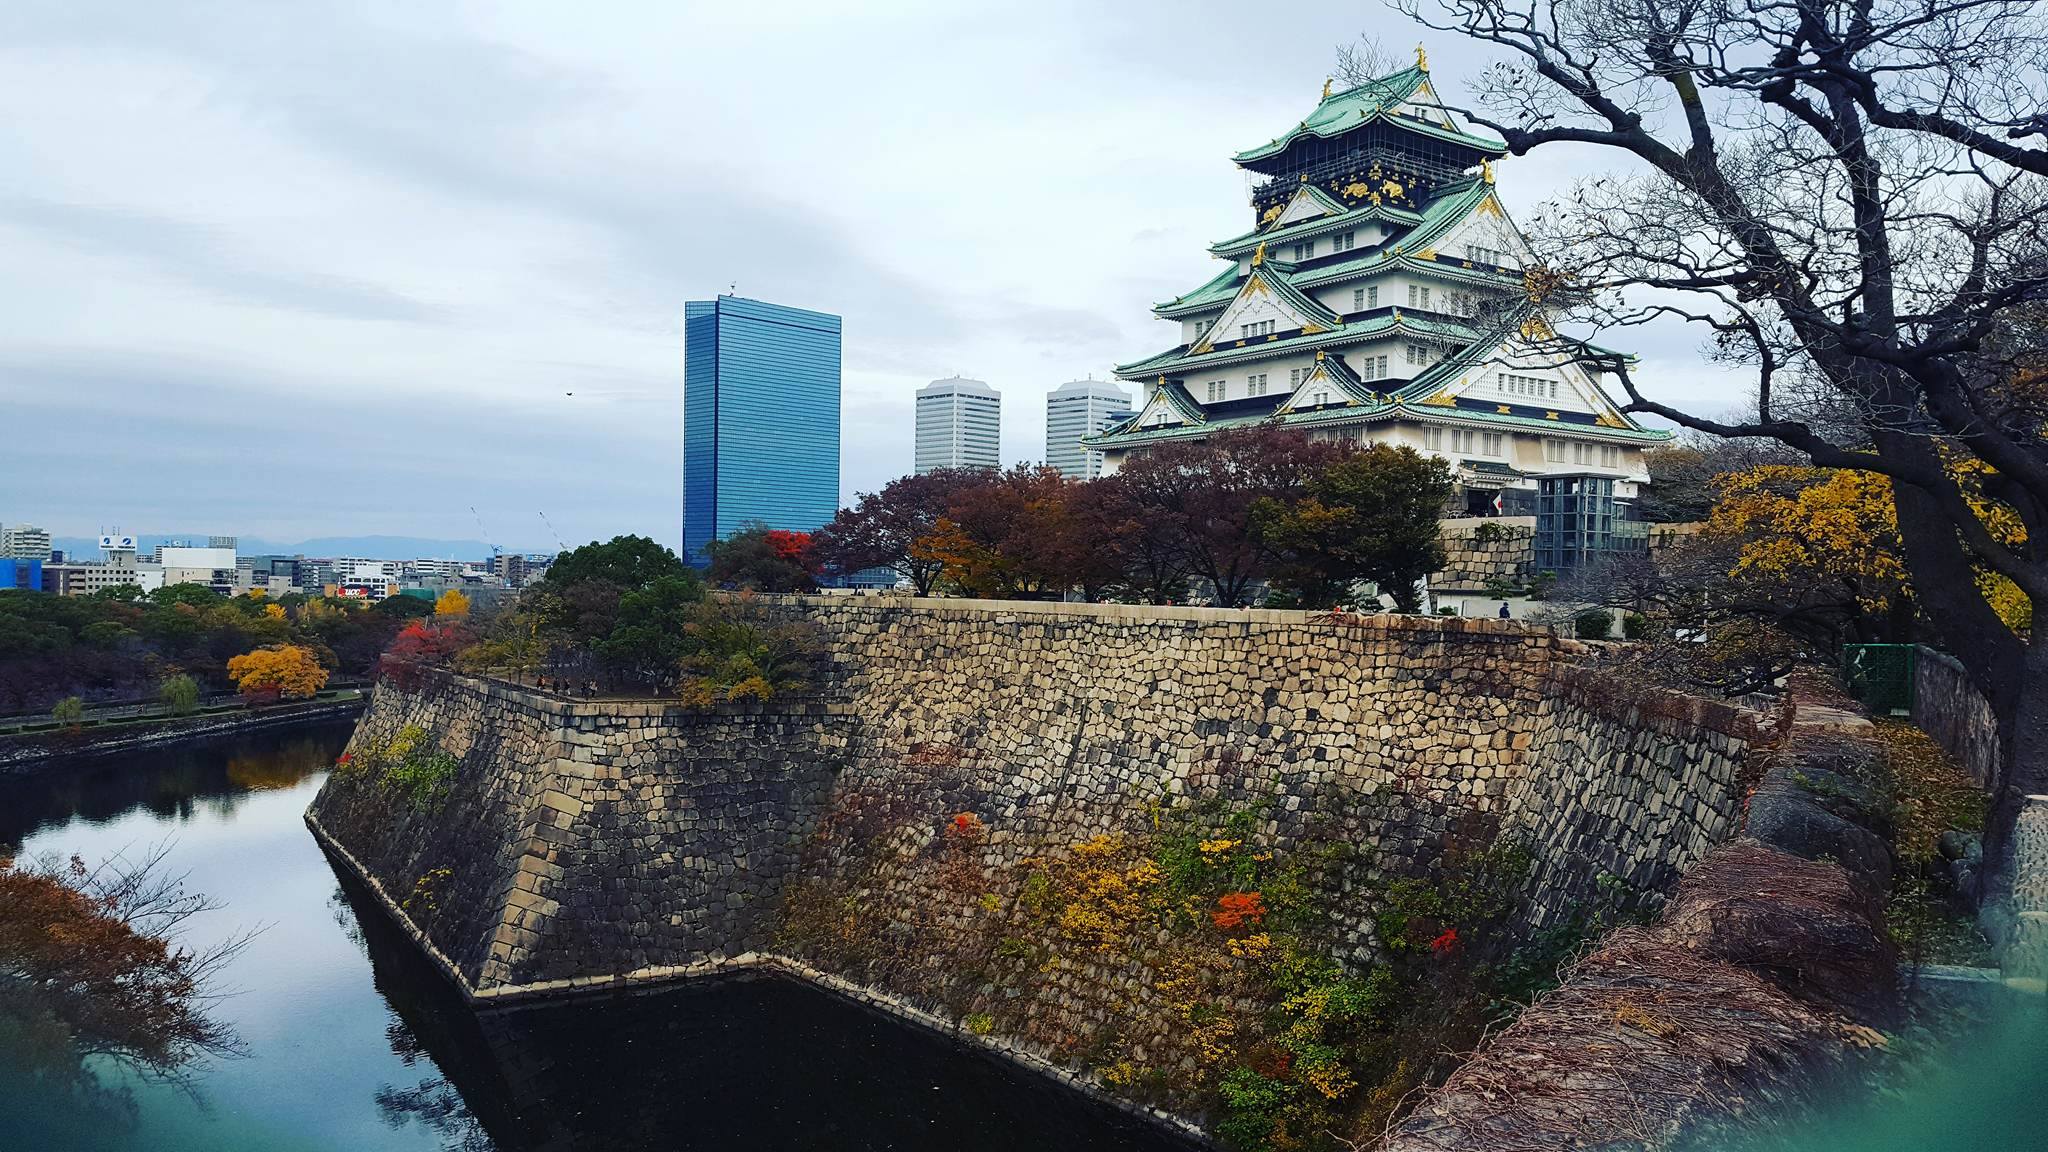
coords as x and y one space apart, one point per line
175 785
355 1042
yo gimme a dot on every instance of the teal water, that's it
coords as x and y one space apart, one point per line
353 1044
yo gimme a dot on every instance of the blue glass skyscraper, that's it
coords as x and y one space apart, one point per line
760 419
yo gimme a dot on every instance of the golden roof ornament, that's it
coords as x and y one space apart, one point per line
1486 170
1421 58
1259 254
1326 87
1319 354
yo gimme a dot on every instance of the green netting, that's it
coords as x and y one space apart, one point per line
1880 675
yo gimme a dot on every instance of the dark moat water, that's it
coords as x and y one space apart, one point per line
353 1044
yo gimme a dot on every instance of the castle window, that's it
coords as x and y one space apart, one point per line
1294 377
1216 391
1305 250
1418 354
1357 299
1493 444
1433 438
1343 241
1418 295
1255 385
1372 296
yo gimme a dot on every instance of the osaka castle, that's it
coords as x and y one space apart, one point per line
1379 297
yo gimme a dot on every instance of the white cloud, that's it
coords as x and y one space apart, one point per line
375 246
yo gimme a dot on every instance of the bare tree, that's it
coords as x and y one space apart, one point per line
1363 62
1847 197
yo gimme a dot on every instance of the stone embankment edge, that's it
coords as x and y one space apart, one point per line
18 756
648 979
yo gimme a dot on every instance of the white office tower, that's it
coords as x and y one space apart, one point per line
1079 409
959 425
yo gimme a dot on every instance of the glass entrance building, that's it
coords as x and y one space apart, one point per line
760 419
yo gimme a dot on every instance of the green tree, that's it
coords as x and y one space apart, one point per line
737 651
647 642
625 562
195 595
1371 515
179 694
70 710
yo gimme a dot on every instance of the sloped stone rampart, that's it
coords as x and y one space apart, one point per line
599 842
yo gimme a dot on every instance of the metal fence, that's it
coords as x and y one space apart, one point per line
1881 676
156 709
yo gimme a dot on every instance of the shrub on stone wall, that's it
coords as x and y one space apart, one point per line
411 765
1185 964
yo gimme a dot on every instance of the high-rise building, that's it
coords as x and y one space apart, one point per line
24 542
1078 409
760 419
959 425
1379 298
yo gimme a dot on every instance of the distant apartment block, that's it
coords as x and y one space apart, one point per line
1078 409
24 542
760 419
959 425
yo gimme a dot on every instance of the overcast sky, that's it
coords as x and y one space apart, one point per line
288 271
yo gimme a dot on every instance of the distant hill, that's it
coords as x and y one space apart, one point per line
371 547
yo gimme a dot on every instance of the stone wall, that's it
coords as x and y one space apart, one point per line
1744 1001
1483 550
1948 707
583 840
1627 789
606 841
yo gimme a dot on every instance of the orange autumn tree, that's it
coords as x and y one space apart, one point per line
289 671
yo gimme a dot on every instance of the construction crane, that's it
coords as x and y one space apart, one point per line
559 543
495 550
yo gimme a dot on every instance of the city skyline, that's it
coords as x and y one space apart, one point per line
469 277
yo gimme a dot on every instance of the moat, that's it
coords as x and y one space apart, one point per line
354 1043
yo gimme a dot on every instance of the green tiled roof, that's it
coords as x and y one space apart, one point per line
1239 245
1341 112
1220 289
1307 305
1226 352
1409 401
1372 413
1436 219
1354 389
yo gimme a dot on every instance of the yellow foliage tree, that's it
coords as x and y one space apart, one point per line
451 603
286 670
1804 528
274 611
